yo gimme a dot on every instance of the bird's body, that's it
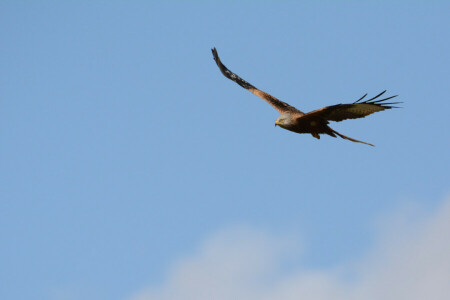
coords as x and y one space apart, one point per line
315 122
296 123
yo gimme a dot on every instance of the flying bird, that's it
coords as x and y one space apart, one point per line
315 122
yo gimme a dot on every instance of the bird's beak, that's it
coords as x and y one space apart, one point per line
276 124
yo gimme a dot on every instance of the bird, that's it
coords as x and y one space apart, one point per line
315 122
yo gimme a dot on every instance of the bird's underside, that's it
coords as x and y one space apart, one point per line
315 122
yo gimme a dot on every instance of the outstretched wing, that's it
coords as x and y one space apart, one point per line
355 110
281 106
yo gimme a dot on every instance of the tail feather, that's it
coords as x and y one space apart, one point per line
350 139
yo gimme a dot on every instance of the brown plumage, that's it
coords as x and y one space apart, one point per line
315 122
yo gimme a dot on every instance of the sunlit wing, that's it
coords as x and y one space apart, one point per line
277 104
358 109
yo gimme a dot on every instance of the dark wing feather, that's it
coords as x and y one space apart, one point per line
279 105
355 110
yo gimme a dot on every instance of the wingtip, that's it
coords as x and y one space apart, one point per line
380 102
214 53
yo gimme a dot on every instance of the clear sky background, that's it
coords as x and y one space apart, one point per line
132 169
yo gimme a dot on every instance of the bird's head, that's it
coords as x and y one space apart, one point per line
283 121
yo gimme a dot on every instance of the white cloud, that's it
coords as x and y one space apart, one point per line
410 261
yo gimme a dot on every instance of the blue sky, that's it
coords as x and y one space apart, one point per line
123 148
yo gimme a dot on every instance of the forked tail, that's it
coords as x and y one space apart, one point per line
350 139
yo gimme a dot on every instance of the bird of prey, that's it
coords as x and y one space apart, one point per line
315 122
